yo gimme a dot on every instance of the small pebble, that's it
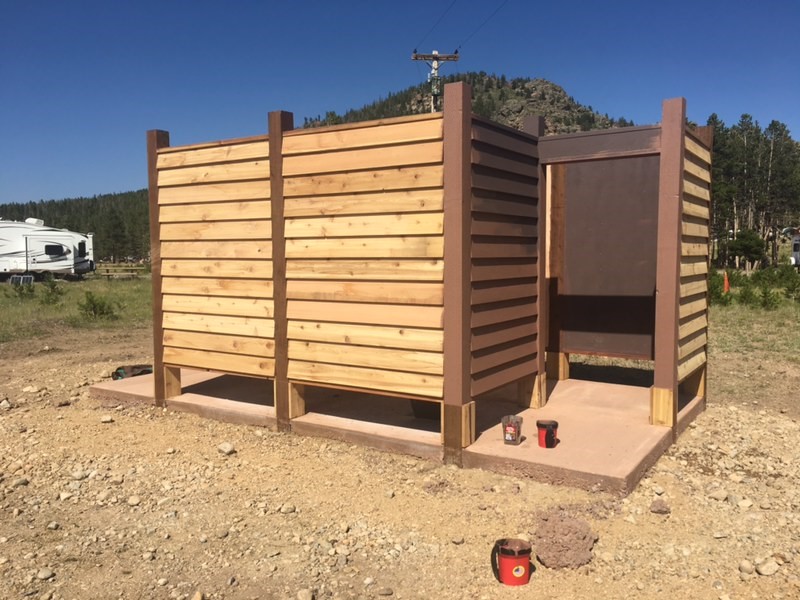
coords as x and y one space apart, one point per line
385 591
134 501
45 574
226 448
746 567
768 567
106 419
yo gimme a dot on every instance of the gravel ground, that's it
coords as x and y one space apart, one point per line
138 502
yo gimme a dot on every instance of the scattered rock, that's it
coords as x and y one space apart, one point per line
660 507
226 448
385 591
458 540
5 404
746 567
305 595
768 567
45 574
134 501
719 494
287 509
106 419
53 525
20 482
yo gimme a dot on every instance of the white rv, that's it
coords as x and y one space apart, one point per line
31 247
795 256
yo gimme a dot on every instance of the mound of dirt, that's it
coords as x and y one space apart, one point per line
562 541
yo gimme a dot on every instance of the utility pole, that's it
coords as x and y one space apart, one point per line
433 59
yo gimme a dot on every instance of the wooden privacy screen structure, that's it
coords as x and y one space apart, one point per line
627 251
397 257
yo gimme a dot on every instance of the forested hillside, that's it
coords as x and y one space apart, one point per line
120 222
756 171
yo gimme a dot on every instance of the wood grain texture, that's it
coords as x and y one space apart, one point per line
217 154
195 286
367 291
367 248
230 269
417 200
217 361
218 249
239 171
694 323
367 335
216 211
398 224
411 361
363 159
367 379
354 269
697 150
247 326
214 342
367 314
216 192
219 230
403 178
691 363
307 141
219 305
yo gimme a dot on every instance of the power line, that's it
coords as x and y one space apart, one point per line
435 25
489 18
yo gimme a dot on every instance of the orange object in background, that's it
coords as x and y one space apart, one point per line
726 285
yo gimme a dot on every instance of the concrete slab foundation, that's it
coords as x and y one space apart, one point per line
605 439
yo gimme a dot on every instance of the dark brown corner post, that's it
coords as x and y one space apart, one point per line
664 393
458 410
279 121
167 381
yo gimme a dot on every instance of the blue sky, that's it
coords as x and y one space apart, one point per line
82 80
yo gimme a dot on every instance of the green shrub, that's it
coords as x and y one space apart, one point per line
747 295
96 308
52 292
21 291
716 290
770 300
737 278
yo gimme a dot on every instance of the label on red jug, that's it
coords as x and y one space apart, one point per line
518 571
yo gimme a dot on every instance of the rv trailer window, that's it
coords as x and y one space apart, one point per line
54 249
796 247
82 249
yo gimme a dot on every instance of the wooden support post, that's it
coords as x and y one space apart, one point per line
457 217
557 366
532 391
462 419
279 122
664 394
167 381
297 400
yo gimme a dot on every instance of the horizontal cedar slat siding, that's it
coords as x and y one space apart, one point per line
216 250
504 269
693 310
364 255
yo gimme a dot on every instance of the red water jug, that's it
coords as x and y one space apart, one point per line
511 561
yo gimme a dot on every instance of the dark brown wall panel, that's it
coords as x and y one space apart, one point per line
504 256
606 289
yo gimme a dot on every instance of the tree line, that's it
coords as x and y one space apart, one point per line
755 188
120 222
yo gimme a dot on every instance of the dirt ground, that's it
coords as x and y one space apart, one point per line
138 502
